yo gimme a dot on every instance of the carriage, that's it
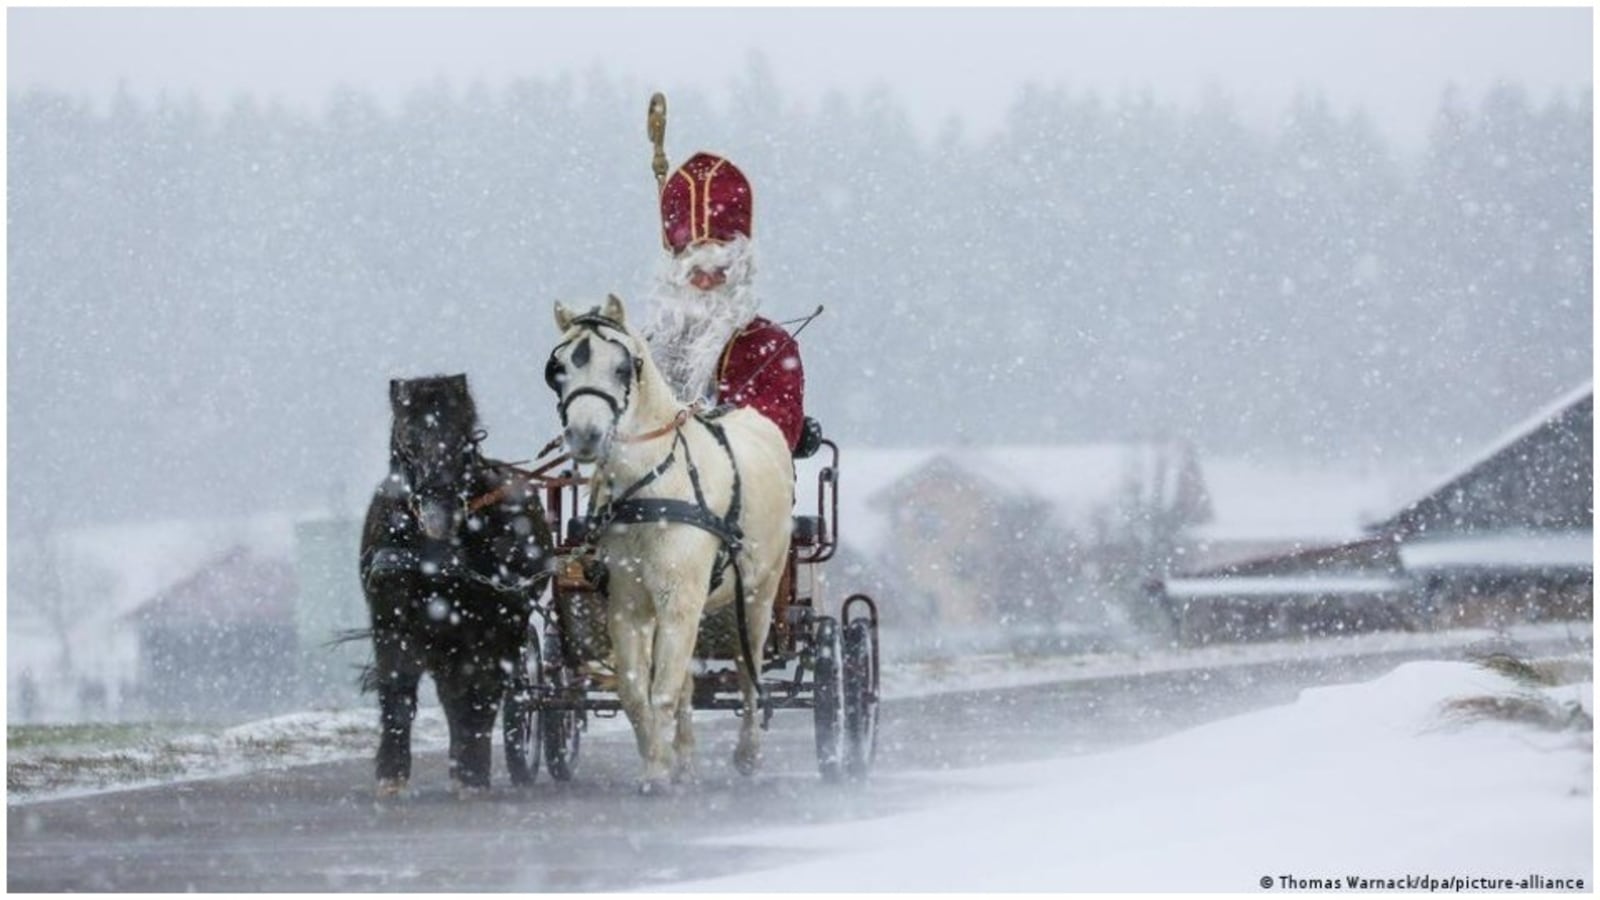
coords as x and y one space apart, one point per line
456 547
812 660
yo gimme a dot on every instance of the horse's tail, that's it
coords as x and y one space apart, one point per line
367 673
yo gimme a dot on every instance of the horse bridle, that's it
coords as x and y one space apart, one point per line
592 323
468 453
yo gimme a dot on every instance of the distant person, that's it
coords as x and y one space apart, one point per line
28 696
704 332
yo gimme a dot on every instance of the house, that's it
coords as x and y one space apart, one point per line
1054 546
222 641
1505 537
1028 544
72 590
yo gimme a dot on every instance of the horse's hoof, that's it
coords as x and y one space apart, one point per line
389 788
651 787
469 791
686 775
747 761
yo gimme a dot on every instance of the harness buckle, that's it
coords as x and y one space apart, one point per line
582 573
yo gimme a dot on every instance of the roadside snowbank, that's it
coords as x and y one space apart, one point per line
1003 671
1373 780
52 772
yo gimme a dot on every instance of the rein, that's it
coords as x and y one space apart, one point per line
677 422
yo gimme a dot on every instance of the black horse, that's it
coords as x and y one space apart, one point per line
454 553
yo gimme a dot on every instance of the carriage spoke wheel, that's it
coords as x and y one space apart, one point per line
827 709
518 716
560 730
860 686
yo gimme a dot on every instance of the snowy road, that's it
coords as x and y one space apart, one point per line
317 827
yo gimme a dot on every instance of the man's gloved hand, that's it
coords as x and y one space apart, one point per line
810 439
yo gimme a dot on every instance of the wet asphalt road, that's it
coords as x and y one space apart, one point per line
318 828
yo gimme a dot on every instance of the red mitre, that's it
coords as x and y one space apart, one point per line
706 199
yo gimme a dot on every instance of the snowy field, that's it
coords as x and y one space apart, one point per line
64 768
1376 781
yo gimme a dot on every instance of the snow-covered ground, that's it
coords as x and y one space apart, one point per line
1369 781
53 769
49 770
1002 671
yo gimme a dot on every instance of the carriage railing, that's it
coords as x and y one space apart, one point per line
827 539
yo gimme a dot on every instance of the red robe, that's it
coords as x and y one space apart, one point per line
761 369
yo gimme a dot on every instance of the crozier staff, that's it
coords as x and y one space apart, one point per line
705 332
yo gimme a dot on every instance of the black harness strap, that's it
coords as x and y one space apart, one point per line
679 512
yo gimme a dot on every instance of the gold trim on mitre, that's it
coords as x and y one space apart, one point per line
700 233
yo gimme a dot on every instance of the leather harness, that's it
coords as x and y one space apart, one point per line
627 508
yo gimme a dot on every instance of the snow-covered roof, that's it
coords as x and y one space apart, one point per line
1250 499
1546 414
236 588
1283 501
145 558
1274 586
1072 479
1504 550
862 473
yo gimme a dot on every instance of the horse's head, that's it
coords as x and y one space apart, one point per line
432 445
596 371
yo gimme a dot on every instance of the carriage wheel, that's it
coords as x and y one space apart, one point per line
560 730
517 716
825 694
860 699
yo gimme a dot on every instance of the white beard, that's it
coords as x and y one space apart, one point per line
689 328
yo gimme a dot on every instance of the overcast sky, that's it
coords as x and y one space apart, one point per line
938 62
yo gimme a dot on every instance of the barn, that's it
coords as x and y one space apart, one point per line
1508 536
1504 538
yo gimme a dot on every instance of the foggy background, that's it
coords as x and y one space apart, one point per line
1355 238
213 274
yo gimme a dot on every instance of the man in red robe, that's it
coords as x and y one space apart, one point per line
705 334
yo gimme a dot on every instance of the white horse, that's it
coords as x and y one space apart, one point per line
672 494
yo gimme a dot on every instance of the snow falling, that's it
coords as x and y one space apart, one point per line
1131 388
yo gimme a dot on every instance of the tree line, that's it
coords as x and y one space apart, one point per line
205 305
